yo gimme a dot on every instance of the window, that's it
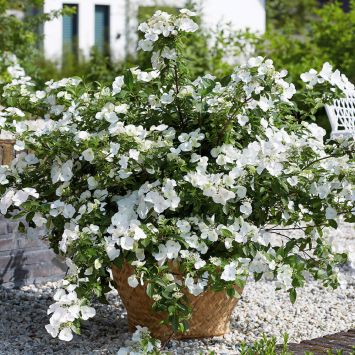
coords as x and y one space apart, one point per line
70 31
102 28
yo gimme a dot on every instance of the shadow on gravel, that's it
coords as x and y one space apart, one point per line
15 267
24 316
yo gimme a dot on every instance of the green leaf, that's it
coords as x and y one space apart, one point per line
128 79
230 292
293 295
150 290
333 223
171 310
21 227
257 276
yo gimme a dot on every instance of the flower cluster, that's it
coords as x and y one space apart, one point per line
335 78
163 26
142 343
65 311
193 182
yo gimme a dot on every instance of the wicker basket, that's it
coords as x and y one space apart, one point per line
6 151
210 316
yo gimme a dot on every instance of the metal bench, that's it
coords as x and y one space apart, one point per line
341 116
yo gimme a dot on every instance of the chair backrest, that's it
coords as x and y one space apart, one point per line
341 115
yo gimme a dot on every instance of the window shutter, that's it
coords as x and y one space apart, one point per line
102 24
70 31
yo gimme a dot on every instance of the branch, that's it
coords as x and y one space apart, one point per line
317 160
177 90
303 251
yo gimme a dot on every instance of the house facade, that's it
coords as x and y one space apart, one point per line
110 25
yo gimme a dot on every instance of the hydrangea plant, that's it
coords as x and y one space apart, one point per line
210 175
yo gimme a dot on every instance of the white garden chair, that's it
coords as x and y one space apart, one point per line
341 116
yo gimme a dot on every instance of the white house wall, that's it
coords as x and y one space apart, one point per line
53 30
123 21
242 14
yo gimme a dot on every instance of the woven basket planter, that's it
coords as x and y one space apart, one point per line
211 311
6 151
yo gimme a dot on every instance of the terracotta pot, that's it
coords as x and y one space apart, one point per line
211 311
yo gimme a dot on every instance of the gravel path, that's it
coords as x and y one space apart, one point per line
317 312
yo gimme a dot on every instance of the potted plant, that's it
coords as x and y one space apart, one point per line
177 189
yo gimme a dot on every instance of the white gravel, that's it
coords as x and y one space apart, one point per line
317 312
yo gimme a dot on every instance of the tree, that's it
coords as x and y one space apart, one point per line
285 13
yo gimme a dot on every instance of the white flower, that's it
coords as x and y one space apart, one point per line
168 53
293 180
62 173
310 77
158 201
66 170
67 237
20 197
134 154
19 146
246 209
146 45
243 120
39 220
122 109
184 226
265 104
146 76
284 276
198 287
117 85
68 211
172 249
241 191
92 183
52 330
160 256
97 264
330 213
65 334
88 155
229 272
326 72
127 243
87 312
133 281
255 62
112 251
199 264
186 24
167 98
139 233
74 311
188 12
6 201
40 94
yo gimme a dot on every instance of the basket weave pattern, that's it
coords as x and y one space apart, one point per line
6 151
211 311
